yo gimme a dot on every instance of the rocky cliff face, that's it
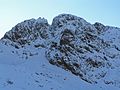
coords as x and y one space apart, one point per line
27 32
90 51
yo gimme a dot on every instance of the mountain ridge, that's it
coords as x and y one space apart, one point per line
89 51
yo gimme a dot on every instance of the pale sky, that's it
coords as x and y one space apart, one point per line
15 11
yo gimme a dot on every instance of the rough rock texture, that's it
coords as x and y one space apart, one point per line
27 32
77 47
90 51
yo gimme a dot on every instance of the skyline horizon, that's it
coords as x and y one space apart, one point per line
16 11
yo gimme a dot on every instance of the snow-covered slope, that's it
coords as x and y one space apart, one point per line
69 54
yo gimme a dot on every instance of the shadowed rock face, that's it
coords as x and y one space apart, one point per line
78 47
87 50
28 31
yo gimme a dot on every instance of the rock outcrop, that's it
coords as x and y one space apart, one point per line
90 51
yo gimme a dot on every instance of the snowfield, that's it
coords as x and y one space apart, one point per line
36 73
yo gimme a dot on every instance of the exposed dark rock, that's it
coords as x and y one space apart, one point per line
71 43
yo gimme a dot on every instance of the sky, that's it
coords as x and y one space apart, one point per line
16 11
